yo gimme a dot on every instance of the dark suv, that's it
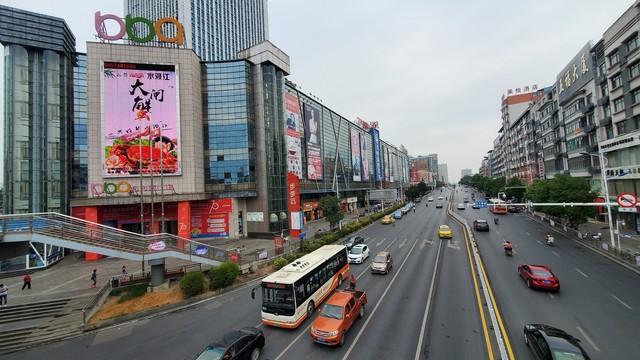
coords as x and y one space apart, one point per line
352 241
480 225
547 342
246 343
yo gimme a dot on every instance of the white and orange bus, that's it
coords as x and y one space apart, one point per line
497 206
292 293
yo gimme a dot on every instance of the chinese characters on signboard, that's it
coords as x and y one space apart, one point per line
211 218
576 74
140 125
312 138
294 130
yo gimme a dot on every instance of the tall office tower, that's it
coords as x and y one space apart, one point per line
215 29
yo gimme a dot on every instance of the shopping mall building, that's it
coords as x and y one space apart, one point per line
155 139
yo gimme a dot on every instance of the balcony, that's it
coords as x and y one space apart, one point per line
589 128
589 107
603 100
605 122
591 148
601 79
594 170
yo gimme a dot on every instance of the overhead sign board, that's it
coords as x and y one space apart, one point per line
383 195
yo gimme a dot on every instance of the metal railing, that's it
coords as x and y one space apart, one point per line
86 232
95 302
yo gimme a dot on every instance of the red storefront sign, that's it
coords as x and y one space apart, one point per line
293 192
211 218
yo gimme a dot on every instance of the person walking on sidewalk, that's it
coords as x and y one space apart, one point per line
124 270
94 278
26 281
4 291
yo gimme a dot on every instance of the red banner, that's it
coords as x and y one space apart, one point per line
293 192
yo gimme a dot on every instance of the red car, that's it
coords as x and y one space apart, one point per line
539 276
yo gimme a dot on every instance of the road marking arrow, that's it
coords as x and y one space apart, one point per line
403 243
380 242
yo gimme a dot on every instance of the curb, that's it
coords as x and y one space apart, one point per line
592 248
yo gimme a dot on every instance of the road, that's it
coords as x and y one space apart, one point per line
599 301
425 307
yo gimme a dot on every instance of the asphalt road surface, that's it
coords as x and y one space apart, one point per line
598 302
424 308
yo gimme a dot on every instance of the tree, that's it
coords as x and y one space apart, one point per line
422 188
563 188
330 206
513 189
412 192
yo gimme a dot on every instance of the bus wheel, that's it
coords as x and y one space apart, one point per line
310 309
339 280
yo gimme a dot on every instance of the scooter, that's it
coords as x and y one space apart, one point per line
549 239
508 251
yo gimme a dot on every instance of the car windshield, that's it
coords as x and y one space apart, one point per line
211 353
380 259
481 221
540 272
444 227
331 311
566 355
356 250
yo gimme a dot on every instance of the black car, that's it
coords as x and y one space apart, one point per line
547 342
480 225
243 344
352 241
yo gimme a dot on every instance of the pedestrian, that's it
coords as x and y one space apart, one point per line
94 278
26 282
4 291
352 282
124 270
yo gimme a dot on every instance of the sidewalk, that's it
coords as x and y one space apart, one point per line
312 227
629 240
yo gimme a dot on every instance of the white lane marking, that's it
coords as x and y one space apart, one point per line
551 296
380 242
586 337
622 302
539 242
303 332
453 245
427 307
386 290
403 243
426 242
582 273
555 253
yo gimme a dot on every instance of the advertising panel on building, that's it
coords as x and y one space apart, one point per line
211 218
294 130
140 119
377 162
576 74
364 154
312 138
355 154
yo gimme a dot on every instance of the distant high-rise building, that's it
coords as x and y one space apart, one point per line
465 172
215 29
443 173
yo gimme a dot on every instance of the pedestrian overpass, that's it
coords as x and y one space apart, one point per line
65 231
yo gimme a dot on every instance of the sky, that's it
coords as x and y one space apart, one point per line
432 73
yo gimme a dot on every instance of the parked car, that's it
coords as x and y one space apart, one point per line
352 241
465 200
358 254
444 231
388 219
549 343
398 214
382 263
245 343
337 316
480 225
460 206
539 276
513 209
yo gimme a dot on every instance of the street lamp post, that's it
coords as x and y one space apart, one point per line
605 189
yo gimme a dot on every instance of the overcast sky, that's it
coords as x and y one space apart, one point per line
430 72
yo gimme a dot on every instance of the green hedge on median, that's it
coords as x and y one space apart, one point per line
192 284
223 275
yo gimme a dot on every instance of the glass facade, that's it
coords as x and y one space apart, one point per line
229 126
80 164
275 144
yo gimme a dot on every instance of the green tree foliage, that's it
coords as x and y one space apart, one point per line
331 209
513 189
488 185
563 188
412 192
422 188
223 275
192 284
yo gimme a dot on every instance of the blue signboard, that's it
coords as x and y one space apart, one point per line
375 136
201 250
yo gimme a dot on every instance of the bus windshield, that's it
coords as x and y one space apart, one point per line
278 298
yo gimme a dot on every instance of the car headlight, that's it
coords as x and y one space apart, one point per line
333 333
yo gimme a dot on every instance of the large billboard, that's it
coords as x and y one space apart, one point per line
364 154
312 138
377 161
211 218
294 130
576 74
140 119
355 154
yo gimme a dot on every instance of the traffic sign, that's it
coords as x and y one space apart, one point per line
627 200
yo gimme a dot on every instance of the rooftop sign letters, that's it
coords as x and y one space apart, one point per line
576 74
127 26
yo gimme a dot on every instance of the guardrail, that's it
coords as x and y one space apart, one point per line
96 301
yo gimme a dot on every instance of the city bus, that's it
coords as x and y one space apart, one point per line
497 206
292 293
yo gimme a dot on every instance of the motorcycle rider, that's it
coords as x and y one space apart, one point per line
507 246
495 220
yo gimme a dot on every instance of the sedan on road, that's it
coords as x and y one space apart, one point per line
480 225
397 214
246 343
430 199
444 232
438 205
388 219
358 254
539 276
549 343
460 206
353 241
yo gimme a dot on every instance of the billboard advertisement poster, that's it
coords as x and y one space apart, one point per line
312 138
377 161
294 130
140 119
211 218
364 154
355 154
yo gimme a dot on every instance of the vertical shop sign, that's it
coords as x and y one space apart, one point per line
355 154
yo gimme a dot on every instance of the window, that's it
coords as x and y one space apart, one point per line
634 70
635 96
618 104
605 90
613 58
621 127
616 81
632 43
609 131
607 110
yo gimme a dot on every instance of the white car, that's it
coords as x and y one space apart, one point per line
440 198
430 198
461 206
359 254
